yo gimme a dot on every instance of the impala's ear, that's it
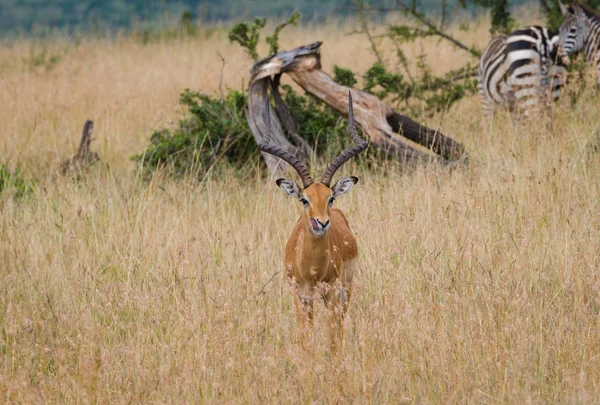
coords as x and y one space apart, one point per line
290 187
564 9
343 185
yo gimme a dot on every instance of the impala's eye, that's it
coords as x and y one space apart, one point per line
304 201
331 200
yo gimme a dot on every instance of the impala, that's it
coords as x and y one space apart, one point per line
320 254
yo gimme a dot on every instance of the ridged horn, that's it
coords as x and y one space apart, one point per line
359 145
265 146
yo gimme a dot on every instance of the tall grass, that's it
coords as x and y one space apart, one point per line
475 285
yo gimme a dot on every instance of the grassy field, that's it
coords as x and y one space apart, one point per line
474 285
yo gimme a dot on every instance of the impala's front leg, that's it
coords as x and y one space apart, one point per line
303 303
304 309
336 300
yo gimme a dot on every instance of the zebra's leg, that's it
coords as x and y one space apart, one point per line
544 100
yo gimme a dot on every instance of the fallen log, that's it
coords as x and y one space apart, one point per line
386 129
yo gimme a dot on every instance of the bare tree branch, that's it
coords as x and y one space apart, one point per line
423 20
221 76
365 28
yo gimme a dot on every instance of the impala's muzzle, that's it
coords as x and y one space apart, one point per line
318 227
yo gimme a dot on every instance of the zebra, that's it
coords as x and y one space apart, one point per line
518 70
580 30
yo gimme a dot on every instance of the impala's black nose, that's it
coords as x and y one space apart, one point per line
323 225
319 227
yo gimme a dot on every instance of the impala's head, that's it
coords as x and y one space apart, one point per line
317 198
574 29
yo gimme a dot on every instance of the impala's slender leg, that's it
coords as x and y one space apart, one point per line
336 301
304 309
304 312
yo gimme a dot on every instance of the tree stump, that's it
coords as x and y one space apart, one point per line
84 157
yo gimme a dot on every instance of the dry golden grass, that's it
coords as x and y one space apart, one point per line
475 285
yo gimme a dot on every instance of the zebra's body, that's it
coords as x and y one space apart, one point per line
580 30
520 71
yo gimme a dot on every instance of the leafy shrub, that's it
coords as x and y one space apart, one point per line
248 35
216 131
417 91
44 59
343 76
14 182
213 130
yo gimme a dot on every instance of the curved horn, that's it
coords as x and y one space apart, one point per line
359 145
265 146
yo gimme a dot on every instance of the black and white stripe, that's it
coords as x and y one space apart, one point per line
580 30
520 70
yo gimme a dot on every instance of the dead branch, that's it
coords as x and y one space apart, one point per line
221 76
288 120
256 120
385 128
365 28
421 18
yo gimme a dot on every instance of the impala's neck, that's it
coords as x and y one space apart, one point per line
317 245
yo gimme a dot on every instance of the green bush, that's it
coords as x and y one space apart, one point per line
212 131
215 131
14 182
44 59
